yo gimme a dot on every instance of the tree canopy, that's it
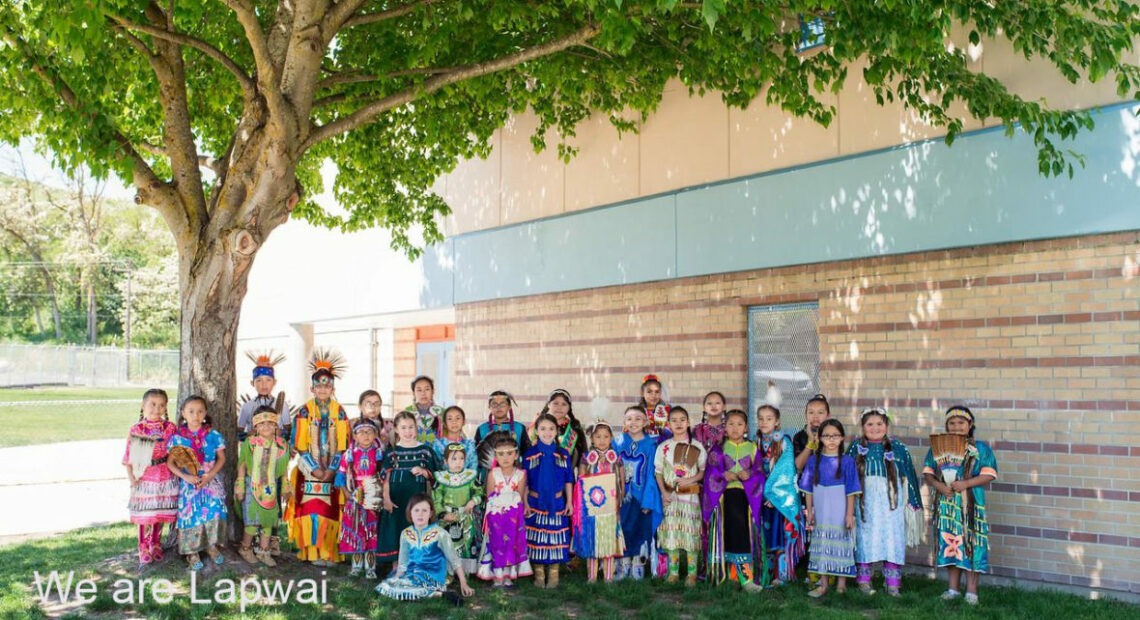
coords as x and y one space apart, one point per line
396 92
221 112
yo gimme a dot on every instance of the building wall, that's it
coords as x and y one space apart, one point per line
1041 338
692 140
404 364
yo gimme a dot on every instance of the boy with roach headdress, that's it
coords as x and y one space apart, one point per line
320 437
264 381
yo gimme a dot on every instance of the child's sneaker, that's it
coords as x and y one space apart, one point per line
866 588
950 595
971 598
752 586
637 572
621 571
893 591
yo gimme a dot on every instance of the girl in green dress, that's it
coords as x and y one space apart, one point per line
457 497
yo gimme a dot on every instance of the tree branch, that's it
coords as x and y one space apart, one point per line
352 77
267 74
204 161
152 190
392 13
370 111
247 84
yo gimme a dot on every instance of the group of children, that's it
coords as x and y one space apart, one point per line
658 497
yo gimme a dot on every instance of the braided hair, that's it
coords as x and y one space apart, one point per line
861 463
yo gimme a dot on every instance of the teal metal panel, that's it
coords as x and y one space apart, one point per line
985 189
926 196
623 244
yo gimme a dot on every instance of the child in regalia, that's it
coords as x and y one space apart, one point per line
500 423
202 498
504 556
154 489
889 504
830 484
320 437
457 497
550 484
450 433
407 470
371 408
710 433
733 506
425 558
783 514
570 435
428 414
963 531
679 467
656 409
263 460
598 494
359 479
263 382
641 502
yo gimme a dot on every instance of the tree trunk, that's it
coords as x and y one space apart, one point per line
49 285
92 324
213 284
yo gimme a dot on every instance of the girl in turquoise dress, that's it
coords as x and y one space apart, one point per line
963 531
426 557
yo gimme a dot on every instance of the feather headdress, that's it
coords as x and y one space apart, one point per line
264 361
773 397
326 361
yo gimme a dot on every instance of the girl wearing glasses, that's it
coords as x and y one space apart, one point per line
830 485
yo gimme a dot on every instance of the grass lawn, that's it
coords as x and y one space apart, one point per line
107 554
35 416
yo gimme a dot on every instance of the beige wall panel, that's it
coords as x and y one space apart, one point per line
605 170
1039 79
533 183
763 137
684 143
473 190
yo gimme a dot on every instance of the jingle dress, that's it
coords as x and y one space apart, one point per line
548 471
681 524
832 544
396 471
963 530
428 420
154 500
596 528
453 491
358 524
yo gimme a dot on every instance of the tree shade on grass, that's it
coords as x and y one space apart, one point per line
107 553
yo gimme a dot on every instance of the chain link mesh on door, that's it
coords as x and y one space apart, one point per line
783 350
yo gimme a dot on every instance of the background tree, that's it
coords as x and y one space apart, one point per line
220 112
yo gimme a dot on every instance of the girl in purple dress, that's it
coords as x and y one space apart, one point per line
830 483
504 556
733 506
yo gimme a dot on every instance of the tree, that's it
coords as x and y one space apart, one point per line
220 112
26 218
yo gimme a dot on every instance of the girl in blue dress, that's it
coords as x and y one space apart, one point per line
426 557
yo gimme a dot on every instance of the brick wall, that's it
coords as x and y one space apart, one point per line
1042 339
404 367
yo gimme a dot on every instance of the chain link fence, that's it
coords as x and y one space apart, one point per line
783 352
34 365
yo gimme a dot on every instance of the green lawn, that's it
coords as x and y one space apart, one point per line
33 420
106 553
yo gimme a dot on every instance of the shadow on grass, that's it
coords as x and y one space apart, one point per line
107 554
